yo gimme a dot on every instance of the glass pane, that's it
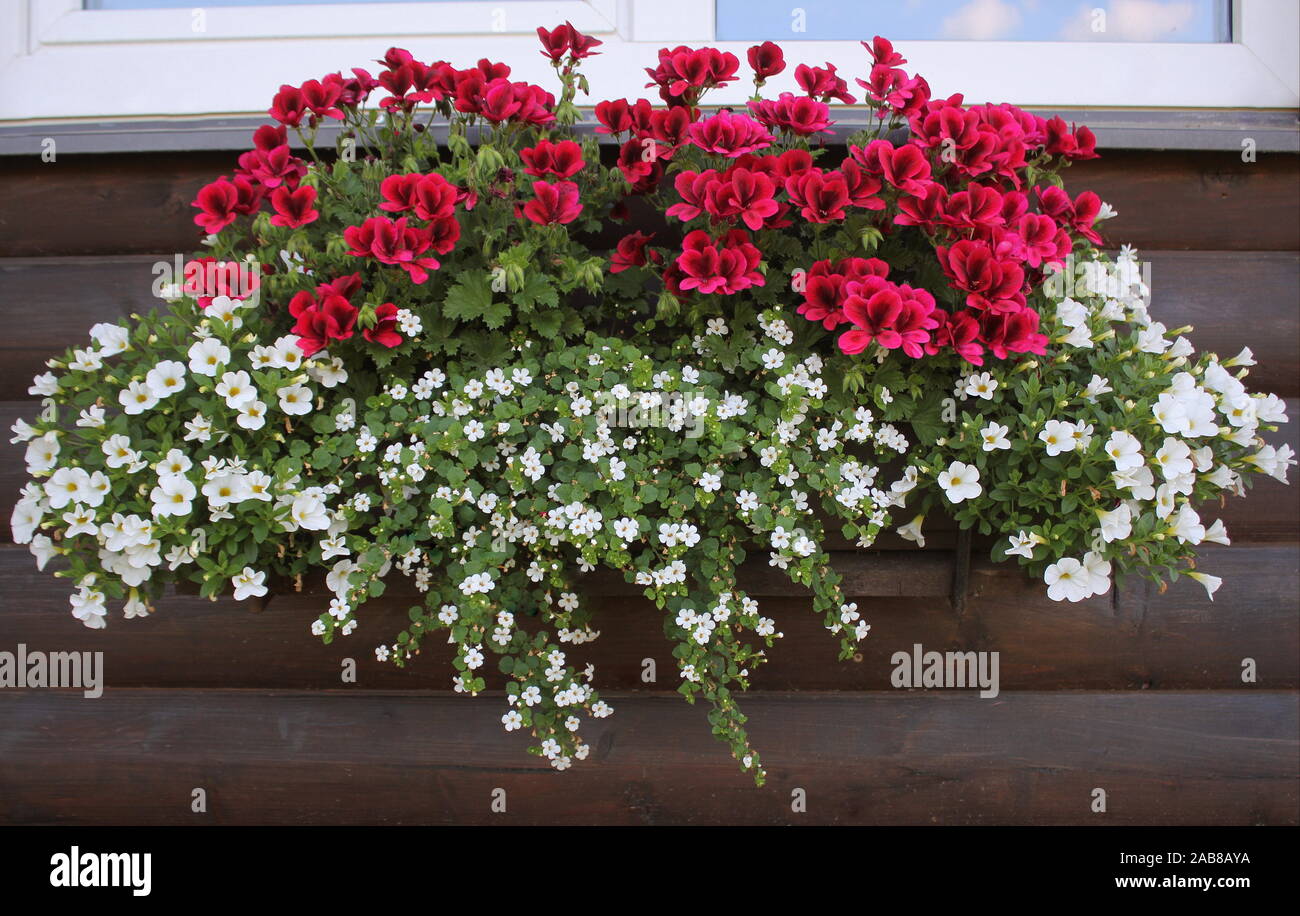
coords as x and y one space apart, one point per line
199 4
976 20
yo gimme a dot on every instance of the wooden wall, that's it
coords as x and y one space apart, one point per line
1137 693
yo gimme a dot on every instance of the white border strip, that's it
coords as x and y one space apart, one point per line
88 64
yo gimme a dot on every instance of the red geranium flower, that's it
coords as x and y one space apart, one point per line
792 162
1079 214
668 127
727 269
904 167
499 100
269 136
218 203
1036 240
767 60
294 208
272 168
398 192
615 116
959 333
563 159
553 203
977 207
882 52
326 315
322 98
685 72
691 186
903 94
729 134
631 252
798 114
1075 144
565 39
637 159
443 233
207 278
1015 333
744 194
384 331
924 208
862 187
352 92
821 196
288 107
990 283
826 288
874 319
434 197
916 321
393 242
822 83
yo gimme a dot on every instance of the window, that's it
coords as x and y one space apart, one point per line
161 58
981 20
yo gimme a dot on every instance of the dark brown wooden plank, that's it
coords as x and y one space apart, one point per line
59 300
104 204
1233 299
1130 639
1185 199
140 203
1136 637
134 757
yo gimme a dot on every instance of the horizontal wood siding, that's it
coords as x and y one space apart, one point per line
1133 638
861 758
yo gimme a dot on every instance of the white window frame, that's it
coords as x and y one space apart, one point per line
59 62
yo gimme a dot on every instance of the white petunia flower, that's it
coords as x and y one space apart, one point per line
1067 580
112 338
295 400
1211 583
995 437
166 378
88 607
173 496
249 584
66 486
252 415
1125 450
237 389
1058 437
960 482
43 453
1116 524
1022 544
912 531
1096 387
308 512
198 429
208 356
43 550
981 385
136 398
44 385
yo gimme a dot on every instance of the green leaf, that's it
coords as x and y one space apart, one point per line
926 418
495 315
471 297
538 290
